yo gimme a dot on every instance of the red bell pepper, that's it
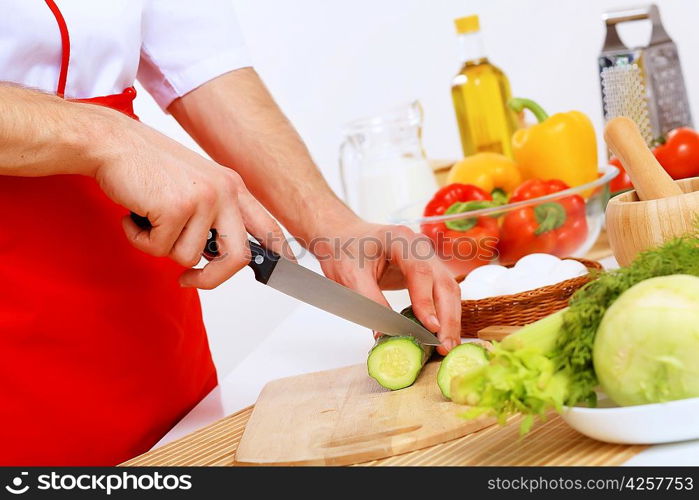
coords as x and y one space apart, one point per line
465 243
556 227
679 155
454 193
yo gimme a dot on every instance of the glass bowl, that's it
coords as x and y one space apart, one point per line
508 232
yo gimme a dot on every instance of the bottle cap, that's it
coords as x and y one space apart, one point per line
468 24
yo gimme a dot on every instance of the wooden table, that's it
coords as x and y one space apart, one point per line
549 443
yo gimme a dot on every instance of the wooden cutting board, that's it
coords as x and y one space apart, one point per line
343 416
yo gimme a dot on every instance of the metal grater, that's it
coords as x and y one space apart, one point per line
643 83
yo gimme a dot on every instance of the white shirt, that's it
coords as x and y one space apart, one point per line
172 46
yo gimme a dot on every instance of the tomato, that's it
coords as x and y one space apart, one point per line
679 156
621 182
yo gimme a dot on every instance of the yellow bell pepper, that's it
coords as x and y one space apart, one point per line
488 171
562 146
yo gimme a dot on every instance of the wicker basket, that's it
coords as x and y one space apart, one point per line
522 308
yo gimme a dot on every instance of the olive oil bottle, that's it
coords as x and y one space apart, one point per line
481 92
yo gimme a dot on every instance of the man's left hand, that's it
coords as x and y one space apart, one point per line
370 258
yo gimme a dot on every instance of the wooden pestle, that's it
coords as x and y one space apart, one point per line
658 210
649 178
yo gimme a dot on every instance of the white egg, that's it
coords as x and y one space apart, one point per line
567 269
531 272
537 263
522 279
479 283
518 283
514 284
489 274
476 290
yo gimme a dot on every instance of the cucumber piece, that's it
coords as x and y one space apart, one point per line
460 360
396 362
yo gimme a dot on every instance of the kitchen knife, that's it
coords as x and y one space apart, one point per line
294 280
307 286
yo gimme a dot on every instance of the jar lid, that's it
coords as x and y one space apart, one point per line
468 24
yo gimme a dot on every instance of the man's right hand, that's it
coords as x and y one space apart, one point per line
183 195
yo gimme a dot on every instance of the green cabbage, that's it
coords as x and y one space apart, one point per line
647 347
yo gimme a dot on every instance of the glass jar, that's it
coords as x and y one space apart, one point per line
383 164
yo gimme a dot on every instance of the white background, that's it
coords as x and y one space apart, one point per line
329 61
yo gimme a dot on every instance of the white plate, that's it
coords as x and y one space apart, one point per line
642 424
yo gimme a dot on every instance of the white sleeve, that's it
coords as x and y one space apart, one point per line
186 43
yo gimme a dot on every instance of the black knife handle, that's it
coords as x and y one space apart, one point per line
210 251
263 261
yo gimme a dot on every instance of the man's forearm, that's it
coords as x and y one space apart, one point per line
41 134
236 121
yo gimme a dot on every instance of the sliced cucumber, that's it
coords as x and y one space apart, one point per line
396 362
459 360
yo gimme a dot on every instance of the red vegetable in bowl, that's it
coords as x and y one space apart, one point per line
464 243
556 227
454 193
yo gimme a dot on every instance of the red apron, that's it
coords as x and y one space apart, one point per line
101 350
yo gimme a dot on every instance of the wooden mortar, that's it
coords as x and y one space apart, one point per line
658 210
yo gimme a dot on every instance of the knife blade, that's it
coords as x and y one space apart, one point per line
307 286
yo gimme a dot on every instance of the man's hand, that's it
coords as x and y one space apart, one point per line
183 195
369 257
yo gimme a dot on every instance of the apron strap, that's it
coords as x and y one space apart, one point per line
121 102
65 47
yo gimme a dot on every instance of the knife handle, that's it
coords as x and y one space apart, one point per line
263 261
210 251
